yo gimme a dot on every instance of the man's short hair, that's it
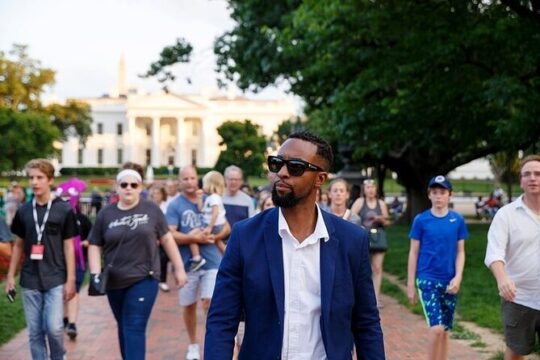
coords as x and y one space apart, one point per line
232 168
43 165
324 150
527 159
134 166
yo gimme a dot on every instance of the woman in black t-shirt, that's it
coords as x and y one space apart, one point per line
128 232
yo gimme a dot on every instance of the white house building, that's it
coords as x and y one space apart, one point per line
161 129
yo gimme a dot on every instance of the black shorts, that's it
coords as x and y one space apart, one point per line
521 326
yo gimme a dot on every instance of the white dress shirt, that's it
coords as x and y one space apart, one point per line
302 337
514 239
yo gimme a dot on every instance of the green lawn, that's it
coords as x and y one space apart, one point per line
478 299
12 315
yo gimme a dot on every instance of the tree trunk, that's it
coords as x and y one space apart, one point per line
509 191
417 201
381 175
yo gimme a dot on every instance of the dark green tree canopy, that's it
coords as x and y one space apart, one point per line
180 52
22 82
245 147
24 135
419 87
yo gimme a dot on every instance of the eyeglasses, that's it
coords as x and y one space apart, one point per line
132 185
369 182
294 167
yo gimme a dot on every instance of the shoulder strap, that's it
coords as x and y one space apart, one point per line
110 264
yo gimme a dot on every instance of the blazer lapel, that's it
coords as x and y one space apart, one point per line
328 268
274 251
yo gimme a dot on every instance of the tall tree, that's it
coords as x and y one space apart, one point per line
22 82
25 135
505 167
179 52
23 79
245 147
419 87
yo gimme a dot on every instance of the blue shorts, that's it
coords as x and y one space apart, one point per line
438 305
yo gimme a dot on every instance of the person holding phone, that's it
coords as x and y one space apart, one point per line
44 229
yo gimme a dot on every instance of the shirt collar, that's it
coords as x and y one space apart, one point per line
320 231
519 202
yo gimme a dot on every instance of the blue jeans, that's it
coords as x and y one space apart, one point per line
44 311
131 307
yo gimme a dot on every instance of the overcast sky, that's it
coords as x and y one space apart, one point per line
83 40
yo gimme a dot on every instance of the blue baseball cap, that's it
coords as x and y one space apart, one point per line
440 181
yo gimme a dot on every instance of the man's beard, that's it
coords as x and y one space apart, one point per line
286 201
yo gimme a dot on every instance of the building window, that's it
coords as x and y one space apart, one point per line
119 156
171 160
119 129
194 157
100 128
100 156
80 156
148 157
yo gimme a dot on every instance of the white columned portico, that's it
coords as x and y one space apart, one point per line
128 135
180 141
155 142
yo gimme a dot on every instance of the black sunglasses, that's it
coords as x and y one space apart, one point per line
295 167
132 185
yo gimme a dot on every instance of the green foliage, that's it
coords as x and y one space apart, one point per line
286 128
245 147
23 80
170 55
419 87
505 167
72 119
12 315
24 136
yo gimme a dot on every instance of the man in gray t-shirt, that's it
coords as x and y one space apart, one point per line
184 220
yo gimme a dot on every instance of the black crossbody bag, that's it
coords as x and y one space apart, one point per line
98 282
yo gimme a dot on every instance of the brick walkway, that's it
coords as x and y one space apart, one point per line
405 333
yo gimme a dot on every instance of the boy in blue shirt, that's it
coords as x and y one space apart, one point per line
436 262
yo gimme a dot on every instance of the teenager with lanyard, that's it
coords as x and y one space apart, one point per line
133 226
43 230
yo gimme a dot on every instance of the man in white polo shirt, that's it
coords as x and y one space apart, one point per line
513 256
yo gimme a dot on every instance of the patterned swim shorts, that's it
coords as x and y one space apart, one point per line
438 305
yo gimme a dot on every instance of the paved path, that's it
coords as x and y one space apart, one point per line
405 333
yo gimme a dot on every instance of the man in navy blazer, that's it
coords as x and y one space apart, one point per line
301 275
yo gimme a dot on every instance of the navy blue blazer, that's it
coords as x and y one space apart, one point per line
250 278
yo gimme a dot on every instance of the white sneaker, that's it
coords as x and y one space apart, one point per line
164 287
193 352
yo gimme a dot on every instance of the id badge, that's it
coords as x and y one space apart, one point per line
37 252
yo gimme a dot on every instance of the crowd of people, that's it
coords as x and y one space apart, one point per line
291 272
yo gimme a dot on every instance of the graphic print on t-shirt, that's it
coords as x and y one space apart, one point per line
133 221
190 219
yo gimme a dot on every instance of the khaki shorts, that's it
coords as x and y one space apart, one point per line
200 285
521 326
